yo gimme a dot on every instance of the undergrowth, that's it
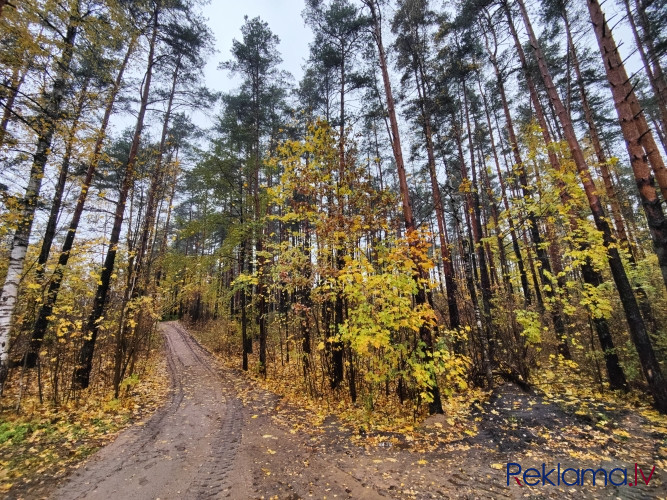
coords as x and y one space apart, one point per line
40 442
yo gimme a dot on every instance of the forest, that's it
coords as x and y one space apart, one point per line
453 196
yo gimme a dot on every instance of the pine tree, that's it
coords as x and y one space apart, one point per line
256 59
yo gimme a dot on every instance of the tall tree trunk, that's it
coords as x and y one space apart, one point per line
491 196
46 310
245 339
520 343
157 177
468 244
545 269
425 331
595 139
305 303
448 266
138 278
632 129
167 193
637 328
510 219
336 346
474 210
162 251
81 376
591 277
259 244
50 232
49 117
616 209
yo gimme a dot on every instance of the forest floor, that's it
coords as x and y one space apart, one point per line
221 436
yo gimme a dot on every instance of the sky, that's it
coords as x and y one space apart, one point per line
225 18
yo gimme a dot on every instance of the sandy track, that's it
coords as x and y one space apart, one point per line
186 450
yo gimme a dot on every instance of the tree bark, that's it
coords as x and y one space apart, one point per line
8 106
50 232
491 196
590 276
595 140
156 179
448 266
545 269
510 220
632 128
468 245
474 210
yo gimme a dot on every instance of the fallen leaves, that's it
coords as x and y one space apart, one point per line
44 441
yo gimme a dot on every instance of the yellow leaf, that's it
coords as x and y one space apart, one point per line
621 433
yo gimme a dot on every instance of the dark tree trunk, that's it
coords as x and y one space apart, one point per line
595 140
491 196
81 376
474 211
515 243
448 266
468 251
590 276
157 177
46 310
650 58
541 252
16 83
50 232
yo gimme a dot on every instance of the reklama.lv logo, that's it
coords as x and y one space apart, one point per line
574 477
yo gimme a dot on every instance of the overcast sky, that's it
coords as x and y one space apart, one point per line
225 17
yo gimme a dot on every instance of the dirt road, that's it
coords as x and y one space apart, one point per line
205 444
221 437
186 450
